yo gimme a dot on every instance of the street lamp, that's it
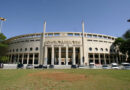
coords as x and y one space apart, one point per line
1 19
128 20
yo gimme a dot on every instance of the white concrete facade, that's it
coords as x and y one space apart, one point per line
63 48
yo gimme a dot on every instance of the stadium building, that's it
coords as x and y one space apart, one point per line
63 49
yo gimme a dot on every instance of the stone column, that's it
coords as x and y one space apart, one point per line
59 55
81 56
73 62
28 58
33 58
52 56
22 58
45 56
67 55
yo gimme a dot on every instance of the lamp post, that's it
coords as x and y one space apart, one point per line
128 20
1 21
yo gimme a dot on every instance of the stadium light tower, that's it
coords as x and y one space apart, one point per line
1 21
128 20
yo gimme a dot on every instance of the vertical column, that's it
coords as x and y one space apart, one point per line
67 55
52 56
22 58
33 58
28 58
104 59
81 56
73 56
45 56
59 55
99 59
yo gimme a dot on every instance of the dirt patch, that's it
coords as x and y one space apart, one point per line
59 76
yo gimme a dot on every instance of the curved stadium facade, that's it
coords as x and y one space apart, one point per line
63 49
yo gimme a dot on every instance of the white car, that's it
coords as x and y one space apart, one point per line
115 66
92 65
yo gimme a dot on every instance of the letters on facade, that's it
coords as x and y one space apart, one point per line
62 42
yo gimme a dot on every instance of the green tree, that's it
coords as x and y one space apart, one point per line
122 44
3 47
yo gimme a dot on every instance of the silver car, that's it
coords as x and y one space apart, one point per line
105 66
29 66
126 66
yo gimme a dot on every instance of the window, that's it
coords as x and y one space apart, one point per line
32 40
70 34
96 49
94 36
90 49
77 34
50 35
106 49
111 50
37 39
13 50
56 34
95 40
17 50
36 48
89 35
25 49
101 49
31 49
89 40
21 49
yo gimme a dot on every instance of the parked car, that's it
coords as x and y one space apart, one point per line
92 65
115 66
105 66
126 66
29 66
20 66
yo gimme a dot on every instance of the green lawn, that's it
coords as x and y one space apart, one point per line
71 79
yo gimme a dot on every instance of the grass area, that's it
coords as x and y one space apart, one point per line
70 79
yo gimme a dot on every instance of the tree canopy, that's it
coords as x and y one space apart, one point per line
123 43
3 47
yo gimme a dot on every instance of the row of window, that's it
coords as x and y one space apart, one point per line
101 49
98 41
32 40
25 49
86 35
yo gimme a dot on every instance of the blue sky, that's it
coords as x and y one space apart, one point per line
100 16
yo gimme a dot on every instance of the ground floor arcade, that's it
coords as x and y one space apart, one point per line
65 56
